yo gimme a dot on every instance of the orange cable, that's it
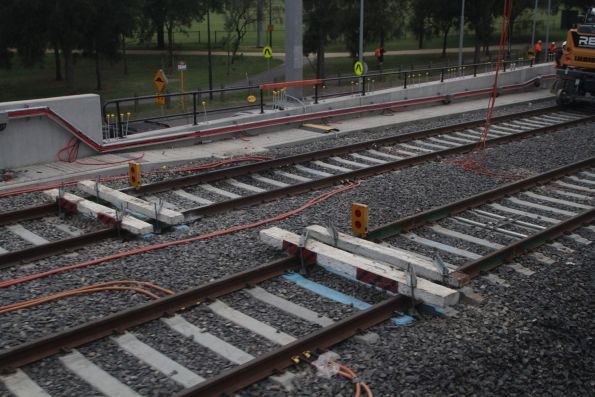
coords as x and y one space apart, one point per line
205 236
106 286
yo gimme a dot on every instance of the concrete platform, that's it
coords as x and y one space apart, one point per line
115 164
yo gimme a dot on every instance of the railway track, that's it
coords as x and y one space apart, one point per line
478 234
242 186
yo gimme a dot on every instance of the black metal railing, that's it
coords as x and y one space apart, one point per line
117 113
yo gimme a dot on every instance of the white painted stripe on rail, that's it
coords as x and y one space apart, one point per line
581 180
245 186
465 237
95 376
192 197
21 385
446 141
588 174
158 360
268 181
556 201
530 215
250 323
574 187
158 201
459 140
208 340
288 307
26 234
432 145
421 149
333 167
367 158
349 162
221 192
295 177
385 155
311 171
442 247
540 207
573 195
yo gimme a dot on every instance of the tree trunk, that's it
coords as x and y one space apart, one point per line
124 58
69 69
160 37
57 62
97 71
420 37
320 72
382 38
476 56
444 41
170 46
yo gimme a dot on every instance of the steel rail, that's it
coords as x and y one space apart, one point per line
270 195
296 159
13 358
27 213
491 261
435 214
13 258
226 383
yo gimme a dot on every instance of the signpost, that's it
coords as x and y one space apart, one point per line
182 67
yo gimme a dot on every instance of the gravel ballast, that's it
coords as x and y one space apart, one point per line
478 351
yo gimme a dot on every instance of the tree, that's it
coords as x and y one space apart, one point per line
320 28
239 14
163 16
103 37
480 16
443 15
384 19
419 19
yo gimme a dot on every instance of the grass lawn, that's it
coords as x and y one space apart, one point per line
20 83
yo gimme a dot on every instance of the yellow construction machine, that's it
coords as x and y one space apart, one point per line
576 75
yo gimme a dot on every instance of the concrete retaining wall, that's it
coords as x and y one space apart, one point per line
32 140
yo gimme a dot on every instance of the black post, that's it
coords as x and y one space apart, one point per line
119 119
194 107
209 52
270 23
261 102
405 85
316 94
442 75
475 70
364 86
504 64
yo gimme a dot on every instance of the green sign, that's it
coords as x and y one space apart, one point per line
267 52
358 68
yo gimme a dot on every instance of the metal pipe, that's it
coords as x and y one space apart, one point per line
209 50
361 31
534 23
461 32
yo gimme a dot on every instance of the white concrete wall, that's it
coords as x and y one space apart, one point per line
37 139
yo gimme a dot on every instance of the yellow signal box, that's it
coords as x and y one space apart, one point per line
359 219
134 176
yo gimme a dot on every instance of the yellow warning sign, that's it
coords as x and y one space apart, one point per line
160 99
358 68
160 80
267 52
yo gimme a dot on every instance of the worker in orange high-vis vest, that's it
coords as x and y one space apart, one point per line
538 51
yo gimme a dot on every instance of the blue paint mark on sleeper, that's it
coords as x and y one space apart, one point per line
337 296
